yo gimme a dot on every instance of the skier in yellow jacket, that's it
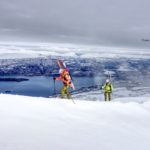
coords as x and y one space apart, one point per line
108 90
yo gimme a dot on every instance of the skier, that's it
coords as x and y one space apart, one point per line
108 90
66 79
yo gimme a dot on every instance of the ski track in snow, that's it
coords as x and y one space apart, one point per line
30 123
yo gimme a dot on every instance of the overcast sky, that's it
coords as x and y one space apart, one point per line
104 22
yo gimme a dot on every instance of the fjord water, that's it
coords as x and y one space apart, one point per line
41 86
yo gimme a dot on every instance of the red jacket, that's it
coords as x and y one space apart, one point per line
64 77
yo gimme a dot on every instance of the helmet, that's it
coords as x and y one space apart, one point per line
60 71
63 70
107 80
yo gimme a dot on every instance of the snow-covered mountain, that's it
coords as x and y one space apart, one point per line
36 50
129 68
29 123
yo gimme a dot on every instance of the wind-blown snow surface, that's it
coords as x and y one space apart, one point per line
29 123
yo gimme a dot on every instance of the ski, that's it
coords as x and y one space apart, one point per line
63 68
61 64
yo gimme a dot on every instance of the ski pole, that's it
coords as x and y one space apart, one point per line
73 100
54 88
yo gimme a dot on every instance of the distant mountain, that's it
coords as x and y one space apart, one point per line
123 70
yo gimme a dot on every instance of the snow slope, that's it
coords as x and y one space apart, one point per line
29 123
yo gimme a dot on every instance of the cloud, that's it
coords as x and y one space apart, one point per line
104 22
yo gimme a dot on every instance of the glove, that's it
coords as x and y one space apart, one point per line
54 78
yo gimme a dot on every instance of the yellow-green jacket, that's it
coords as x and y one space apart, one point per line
107 87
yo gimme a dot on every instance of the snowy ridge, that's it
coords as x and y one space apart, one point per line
98 95
29 123
35 50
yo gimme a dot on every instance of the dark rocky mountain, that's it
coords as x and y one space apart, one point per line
121 69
